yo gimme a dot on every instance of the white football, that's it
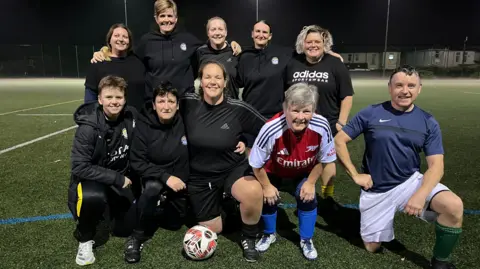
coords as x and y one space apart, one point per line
199 242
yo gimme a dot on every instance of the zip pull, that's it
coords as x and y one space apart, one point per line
210 185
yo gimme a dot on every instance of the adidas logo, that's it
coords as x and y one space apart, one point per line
225 127
310 74
283 152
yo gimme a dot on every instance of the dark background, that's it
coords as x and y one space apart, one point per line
32 28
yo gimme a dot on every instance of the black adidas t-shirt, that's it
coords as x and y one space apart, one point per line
213 133
129 68
118 150
330 76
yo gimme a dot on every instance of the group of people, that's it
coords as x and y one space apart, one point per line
146 136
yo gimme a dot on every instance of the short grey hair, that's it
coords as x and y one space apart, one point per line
301 94
324 33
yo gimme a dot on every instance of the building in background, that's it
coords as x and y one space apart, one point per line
441 57
371 58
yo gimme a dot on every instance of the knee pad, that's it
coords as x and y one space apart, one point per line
153 188
309 206
269 209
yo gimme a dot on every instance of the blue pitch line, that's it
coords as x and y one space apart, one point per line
69 216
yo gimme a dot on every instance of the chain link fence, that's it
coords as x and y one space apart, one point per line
27 60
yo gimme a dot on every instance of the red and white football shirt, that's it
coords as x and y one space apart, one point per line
290 155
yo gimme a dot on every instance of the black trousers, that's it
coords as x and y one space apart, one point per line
158 205
91 202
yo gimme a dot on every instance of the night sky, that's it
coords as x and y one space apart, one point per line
351 22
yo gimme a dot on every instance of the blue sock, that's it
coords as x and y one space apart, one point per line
270 222
307 220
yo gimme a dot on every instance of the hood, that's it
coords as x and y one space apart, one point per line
88 114
149 117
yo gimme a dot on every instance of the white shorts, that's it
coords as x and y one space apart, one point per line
377 210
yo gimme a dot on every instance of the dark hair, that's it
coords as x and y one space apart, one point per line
113 82
163 89
204 64
110 33
265 22
407 69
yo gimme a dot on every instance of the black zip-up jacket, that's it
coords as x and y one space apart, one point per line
90 152
224 56
159 150
168 58
260 73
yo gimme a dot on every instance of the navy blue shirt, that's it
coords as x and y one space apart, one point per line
393 142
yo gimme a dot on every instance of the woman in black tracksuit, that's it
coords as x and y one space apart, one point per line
100 161
159 156
218 49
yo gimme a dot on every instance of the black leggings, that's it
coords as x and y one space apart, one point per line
90 200
173 207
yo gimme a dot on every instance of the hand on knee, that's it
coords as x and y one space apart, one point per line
306 206
372 247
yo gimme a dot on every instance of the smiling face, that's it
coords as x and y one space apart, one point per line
120 40
113 100
313 46
261 35
404 90
212 81
217 32
166 20
298 117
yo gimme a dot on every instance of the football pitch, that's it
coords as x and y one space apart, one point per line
36 134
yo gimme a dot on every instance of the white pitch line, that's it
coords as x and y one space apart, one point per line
37 139
38 107
472 92
44 115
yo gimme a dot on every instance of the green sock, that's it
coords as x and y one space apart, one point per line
446 239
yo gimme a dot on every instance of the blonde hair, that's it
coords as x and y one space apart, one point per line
215 18
161 5
324 33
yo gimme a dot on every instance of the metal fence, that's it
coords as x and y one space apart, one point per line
45 60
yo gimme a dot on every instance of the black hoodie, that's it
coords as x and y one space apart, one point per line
260 73
224 56
168 58
159 150
100 150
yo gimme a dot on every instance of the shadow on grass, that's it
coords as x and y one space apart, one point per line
345 223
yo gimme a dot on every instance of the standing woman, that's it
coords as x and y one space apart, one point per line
217 48
214 123
167 52
315 66
121 63
260 71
